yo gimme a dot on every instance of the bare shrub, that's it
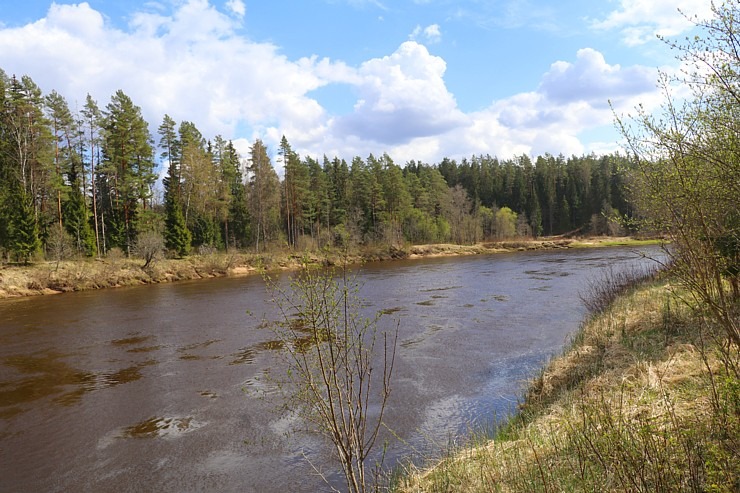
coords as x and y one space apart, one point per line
115 254
330 351
149 246
59 245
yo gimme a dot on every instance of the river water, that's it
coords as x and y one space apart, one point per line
162 388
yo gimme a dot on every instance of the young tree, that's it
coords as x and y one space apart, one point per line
23 228
687 179
332 352
505 223
149 246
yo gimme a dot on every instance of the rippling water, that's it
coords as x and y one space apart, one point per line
161 388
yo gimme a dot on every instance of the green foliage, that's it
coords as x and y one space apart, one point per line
127 172
93 173
76 220
23 229
505 223
687 177
177 236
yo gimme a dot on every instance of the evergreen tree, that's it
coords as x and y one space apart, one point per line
23 229
177 236
128 169
264 194
93 129
237 223
75 217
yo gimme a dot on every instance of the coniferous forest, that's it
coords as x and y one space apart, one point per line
87 181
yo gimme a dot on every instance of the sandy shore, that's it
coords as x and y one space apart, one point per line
43 278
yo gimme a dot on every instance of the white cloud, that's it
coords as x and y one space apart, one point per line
591 79
640 21
192 64
431 34
571 98
402 96
237 7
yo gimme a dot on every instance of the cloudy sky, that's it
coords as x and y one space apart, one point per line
418 79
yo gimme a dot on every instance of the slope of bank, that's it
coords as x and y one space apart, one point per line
647 398
78 275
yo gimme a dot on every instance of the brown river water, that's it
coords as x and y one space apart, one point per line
161 388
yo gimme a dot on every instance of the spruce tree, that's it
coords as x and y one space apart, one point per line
76 216
23 228
177 236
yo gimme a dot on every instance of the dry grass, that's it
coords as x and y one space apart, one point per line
117 270
644 400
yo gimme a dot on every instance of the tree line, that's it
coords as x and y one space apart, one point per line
86 181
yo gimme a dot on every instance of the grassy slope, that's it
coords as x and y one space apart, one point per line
642 401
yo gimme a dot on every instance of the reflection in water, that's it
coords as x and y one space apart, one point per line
50 375
161 427
131 340
247 354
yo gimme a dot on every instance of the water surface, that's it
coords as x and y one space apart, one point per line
162 388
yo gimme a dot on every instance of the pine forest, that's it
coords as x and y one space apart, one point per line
87 182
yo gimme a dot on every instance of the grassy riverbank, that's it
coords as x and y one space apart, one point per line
116 271
647 398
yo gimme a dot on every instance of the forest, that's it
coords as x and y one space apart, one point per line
86 182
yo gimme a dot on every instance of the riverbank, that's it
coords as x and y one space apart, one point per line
647 398
43 278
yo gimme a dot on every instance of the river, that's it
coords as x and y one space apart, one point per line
162 388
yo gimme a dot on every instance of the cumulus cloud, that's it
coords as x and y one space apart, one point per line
402 96
591 79
193 64
571 98
640 21
190 64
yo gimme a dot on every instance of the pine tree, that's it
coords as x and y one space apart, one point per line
264 193
128 169
93 121
236 224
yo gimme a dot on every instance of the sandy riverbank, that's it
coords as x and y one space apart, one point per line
42 278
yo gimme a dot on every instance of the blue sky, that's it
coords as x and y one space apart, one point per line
418 79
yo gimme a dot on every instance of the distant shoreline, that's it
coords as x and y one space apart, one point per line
49 277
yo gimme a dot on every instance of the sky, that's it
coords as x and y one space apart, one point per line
417 79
